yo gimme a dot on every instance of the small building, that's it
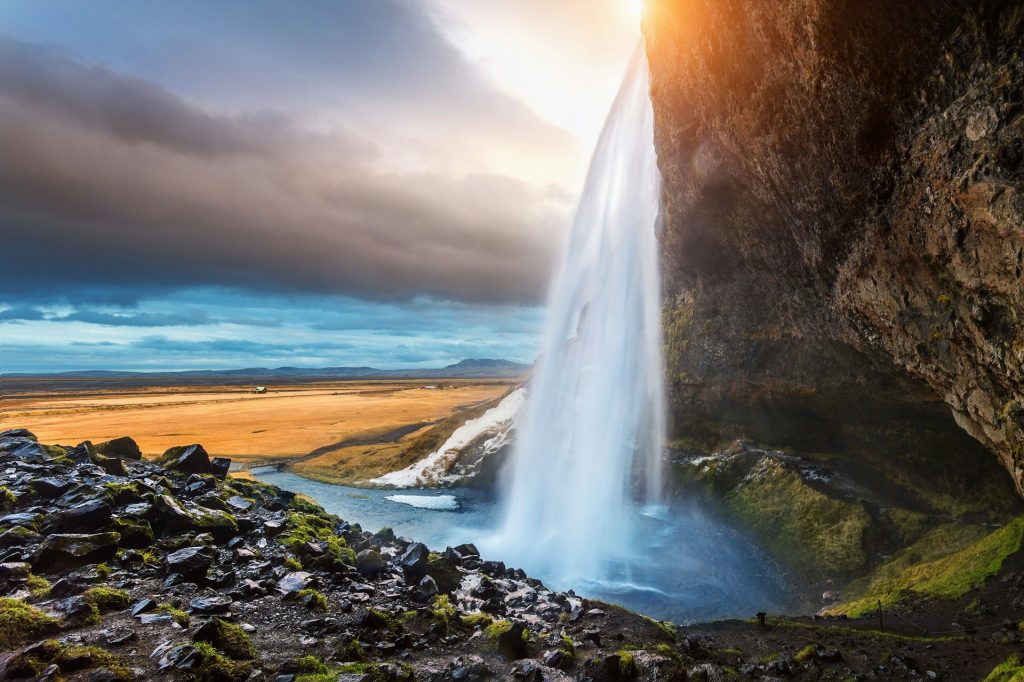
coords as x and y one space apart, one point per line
260 389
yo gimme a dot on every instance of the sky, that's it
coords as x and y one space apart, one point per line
255 183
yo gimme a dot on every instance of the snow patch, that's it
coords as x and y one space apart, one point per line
435 502
432 467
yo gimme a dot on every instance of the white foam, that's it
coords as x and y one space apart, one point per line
431 468
435 502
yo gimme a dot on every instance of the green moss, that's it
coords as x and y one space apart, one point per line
376 618
304 527
292 563
179 616
316 599
497 629
74 658
20 622
927 569
627 663
352 650
311 665
124 493
814 533
7 499
102 571
215 667
442 608
306 505
1010 670
478 619
232 640
805 654
38 586
220 523
107 599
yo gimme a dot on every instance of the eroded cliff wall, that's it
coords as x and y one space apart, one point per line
844 227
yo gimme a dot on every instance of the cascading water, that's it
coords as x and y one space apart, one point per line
589 441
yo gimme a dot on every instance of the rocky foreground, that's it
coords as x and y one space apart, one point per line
115 568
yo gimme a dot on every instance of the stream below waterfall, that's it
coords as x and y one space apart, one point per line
688 567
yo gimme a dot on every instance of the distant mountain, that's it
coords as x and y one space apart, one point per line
485 363
469 368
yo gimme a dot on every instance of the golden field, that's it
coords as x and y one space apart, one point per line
383 418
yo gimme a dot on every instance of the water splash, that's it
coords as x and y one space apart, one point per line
590 437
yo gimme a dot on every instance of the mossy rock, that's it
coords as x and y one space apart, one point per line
135 533
120 448
227 637
946 563
815 534
21 622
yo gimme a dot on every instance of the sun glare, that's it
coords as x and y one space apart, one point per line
635 8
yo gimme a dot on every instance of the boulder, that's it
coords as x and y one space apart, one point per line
445 574
414 561
17 433
188 458
51 487
210 604
190 562
120 448
219 467
512 642
71 550
369 562
86 517
294 582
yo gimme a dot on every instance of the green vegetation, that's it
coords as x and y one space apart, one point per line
352 650
312 669
627 663
179 616
69 659
7 499
814 533
107 599
102 571
305 527
314 599
292 563
477 619
216 667
377 618
442 608
232 640
307 505
20 622
926 569
497 629
38 586
805 654
124 493
1010 670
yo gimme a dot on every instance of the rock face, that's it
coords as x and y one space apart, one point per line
844 227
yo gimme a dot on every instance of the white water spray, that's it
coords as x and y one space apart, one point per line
590 437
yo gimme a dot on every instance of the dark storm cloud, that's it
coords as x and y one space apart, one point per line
21 313
112 184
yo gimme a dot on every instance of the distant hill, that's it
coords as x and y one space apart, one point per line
486 363
469 368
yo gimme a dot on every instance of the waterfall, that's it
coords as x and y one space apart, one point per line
590 437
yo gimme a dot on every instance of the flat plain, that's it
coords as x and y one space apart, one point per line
299 420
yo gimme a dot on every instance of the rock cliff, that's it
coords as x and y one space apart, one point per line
844 229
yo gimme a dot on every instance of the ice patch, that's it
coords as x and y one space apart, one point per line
432 466
435 502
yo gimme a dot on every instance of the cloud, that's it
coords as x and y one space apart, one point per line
111 183
21 313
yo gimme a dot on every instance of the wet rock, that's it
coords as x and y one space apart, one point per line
74 609
238 503
143 606
210 604
111 465
22 519
51 487
72 550
188 458
118 636
170 514
294 582
190 562
427 587
708 672
87 517
120 448
467 550
19 536
445 574
219 467
370 563
528 670
413 561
